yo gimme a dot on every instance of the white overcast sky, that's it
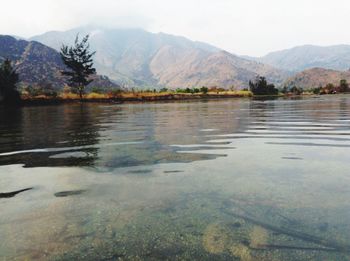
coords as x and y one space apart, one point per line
246 27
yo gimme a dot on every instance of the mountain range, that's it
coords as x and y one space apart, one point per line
137 58
134 57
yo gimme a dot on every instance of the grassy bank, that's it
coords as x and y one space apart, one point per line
134 97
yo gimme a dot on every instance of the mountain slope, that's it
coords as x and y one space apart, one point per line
198 68
37 63
309 56
316 77
34 61
134 57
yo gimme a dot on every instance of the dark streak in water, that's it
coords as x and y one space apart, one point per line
14 193
292 158
69 193
309 144
141 171
268 136
284 247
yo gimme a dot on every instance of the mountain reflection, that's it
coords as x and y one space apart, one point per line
112 136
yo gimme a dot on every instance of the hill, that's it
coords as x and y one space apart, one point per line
316 77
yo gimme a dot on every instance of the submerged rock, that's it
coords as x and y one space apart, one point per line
216 239
241 251
258 237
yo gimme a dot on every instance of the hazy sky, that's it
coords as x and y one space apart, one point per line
252 27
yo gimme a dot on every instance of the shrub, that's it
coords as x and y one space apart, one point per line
261 87
204 90
98 90
114 93
343 86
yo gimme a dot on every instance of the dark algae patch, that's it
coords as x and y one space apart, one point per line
292 158
14 193
141 171
173 171
69 193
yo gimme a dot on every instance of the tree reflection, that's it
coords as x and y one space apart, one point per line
47 131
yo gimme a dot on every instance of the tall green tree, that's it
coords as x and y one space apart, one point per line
79 61
8 80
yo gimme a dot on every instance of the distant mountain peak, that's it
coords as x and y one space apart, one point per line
303 57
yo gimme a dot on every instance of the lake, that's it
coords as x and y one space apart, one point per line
231 179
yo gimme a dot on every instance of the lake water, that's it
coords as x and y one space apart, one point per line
206 180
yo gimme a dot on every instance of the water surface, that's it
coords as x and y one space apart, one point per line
215 180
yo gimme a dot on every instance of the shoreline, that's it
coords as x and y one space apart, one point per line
141 98
135 99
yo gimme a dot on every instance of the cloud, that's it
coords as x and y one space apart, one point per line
251 27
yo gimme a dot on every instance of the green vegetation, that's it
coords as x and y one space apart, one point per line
261 87
188 90
292 91
330 88
8 80
78 59
43 90
343 86
204 90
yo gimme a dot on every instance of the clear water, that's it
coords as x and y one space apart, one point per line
217 180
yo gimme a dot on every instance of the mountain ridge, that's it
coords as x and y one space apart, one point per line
299 58
141 59
135 57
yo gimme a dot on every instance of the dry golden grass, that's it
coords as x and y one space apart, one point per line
94 95
69 96
137 95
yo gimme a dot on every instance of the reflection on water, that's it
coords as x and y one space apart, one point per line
218 180
106 136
